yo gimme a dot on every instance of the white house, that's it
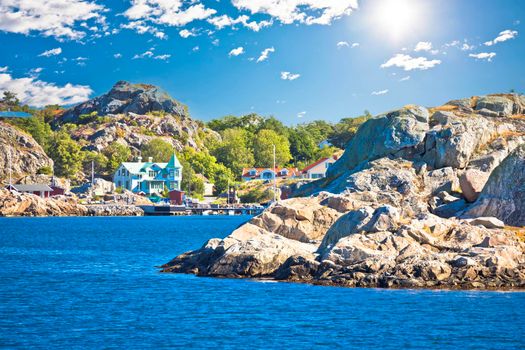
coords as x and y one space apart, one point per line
149 177
318 169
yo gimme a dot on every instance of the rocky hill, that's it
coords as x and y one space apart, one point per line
422 197
133 114
27 157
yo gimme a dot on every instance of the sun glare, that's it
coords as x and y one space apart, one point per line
396 18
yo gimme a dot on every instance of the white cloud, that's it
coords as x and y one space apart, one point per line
35 71
409 63
55 18
237 51
52 52
483 56
216 42
164 57
186 33
300 11
167 12
467 47
117 55
195 48
223 21
301 114
289 76
354 45
405 78
503 36
378 93
265 53
145 54
342 44
39 93
423 46
142 27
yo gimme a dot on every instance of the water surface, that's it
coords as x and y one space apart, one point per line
91 283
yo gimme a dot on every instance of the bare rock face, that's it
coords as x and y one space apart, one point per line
27 157
125 97
395 210
504 194
382 136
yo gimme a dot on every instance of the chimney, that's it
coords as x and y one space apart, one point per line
139 159
150 159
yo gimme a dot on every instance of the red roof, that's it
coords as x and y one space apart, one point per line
318 162
277 170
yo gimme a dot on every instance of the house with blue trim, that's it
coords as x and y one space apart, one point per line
149 177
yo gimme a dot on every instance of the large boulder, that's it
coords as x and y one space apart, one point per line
503 196
301 219
387 134
27 156
454 139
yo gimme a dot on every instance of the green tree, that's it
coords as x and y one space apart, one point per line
10 99
158 149
100 162
263 148
234 151
302 145
223 177
66 154
40 130
116 153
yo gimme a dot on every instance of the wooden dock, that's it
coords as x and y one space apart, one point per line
172 210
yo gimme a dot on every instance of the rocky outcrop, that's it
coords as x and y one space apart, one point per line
27 157
22 204
125 97
389 214
113 210
504 194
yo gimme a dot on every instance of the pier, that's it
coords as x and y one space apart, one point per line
171 210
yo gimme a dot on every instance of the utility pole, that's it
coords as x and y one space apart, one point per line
10 169
274 177
92 172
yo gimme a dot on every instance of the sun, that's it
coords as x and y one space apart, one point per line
396 18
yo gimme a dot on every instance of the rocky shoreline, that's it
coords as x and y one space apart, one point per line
24 204
422 198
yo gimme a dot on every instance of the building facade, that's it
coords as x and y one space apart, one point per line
149 177
249 174
318 169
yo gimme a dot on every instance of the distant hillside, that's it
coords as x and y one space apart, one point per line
133 114
125 97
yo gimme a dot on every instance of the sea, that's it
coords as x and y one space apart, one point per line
93 283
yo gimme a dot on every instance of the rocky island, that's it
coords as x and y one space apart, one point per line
421 198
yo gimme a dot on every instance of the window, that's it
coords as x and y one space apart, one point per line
127 185
177 173
118 172
253 172
267 175
119 183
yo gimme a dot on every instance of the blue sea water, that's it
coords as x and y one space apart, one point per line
71 283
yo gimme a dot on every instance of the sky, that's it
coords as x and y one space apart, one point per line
298 60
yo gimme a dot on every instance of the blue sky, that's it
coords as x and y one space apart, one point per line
324 59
